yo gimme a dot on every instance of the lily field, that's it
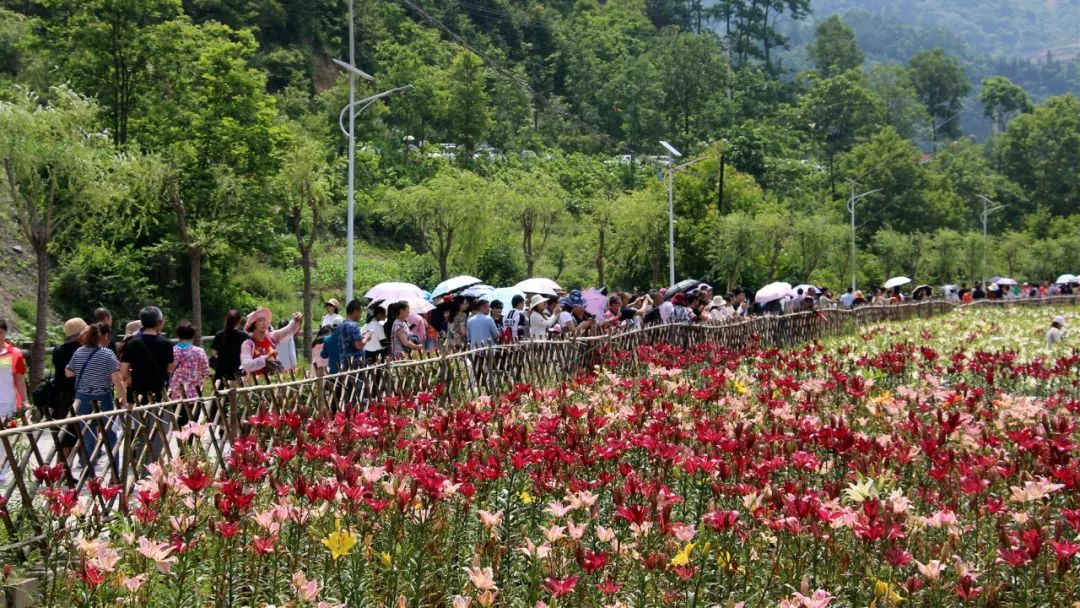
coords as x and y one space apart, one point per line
930 463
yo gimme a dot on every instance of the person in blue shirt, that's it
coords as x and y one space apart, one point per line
350 338
482 328
331 350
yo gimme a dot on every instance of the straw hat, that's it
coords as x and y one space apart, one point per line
72 329
718 302
259 313
333 302
132 328
536 300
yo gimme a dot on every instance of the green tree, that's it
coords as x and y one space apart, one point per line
814 242
536 205
898 253
963 169
51 169
469 113
729 246
447 213
834 49
639 240
773 229
891 163
213 125
942 85
750 30
303 187
903 110
944 256
417 56
1001 99
693 75
105 47
1040 152
836 113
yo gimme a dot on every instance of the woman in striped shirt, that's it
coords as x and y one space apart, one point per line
97 372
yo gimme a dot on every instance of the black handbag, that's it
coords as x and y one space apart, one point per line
43 398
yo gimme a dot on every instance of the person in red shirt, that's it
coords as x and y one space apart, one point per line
12 375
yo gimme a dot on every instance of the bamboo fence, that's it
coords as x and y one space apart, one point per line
144 432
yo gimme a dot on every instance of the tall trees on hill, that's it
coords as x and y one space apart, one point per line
1001 100
941 83
834 49
106 49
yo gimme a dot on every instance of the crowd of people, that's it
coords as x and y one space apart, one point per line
96 369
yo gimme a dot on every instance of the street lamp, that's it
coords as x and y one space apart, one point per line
851 209
671 169
354 108
987 210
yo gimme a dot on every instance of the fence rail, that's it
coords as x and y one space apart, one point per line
122 443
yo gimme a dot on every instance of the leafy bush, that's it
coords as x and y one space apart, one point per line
97 275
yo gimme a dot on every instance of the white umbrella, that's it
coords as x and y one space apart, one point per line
896 282
772 292
419 305
1007 282
478 291
394 291
454 284
542 286
504 295
1065 279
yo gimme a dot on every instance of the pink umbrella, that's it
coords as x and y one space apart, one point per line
394 291
594 301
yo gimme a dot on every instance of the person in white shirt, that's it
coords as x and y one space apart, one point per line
286 352
514 319
375 332
1057 331
666 309
332 318
719 308
539 323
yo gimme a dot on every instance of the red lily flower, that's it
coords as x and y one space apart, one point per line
560 587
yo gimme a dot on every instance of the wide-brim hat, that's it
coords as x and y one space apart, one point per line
73 328
333 302
259 313
132 328
718 302
536 300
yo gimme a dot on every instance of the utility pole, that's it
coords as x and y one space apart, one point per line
851 209
355 107
672 155
350 215
987 210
